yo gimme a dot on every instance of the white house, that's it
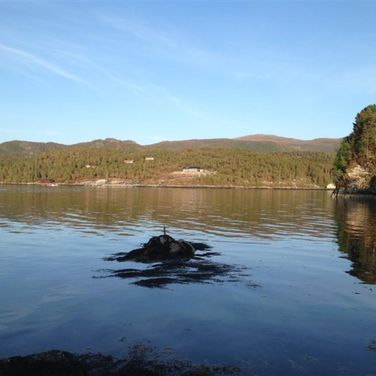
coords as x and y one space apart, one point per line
192 169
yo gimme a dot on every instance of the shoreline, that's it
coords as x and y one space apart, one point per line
190 186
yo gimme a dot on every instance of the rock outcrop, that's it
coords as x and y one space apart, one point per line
162 247
357 180
355 163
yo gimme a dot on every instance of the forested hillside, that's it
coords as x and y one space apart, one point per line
225 167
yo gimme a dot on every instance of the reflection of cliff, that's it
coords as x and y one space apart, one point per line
356 219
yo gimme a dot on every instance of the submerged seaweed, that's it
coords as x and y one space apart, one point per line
141 360
163 271
193 271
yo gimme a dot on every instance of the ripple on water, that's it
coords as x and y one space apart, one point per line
53 242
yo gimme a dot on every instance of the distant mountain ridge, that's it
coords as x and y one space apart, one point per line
111 143
316 144
25 148
257 143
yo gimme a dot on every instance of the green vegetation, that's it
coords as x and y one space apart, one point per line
342 158
232 166
358 149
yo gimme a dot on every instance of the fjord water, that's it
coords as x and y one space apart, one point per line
300 298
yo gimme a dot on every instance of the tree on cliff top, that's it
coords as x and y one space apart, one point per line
360 146
364 136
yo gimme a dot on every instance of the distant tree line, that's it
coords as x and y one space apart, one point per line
232 166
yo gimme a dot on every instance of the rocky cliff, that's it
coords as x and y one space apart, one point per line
355 163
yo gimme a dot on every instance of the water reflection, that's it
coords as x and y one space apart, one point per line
238 215
233 214
308 317
196 269
179 272
357 235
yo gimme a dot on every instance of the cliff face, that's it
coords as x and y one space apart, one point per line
355 164
357 179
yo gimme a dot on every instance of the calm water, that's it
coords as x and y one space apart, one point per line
299 297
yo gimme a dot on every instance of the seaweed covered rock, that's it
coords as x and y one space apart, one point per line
141 359
173 261
162 247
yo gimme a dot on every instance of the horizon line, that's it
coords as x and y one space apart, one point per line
238 138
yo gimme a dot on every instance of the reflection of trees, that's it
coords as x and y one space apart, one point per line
224 211
356 219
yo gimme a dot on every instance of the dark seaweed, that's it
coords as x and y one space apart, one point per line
198 268
141 360
180 272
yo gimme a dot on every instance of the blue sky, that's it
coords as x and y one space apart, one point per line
73 71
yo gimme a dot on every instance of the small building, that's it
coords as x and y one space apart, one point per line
330 186
128 161
192 169
100 182
149 158
90 166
